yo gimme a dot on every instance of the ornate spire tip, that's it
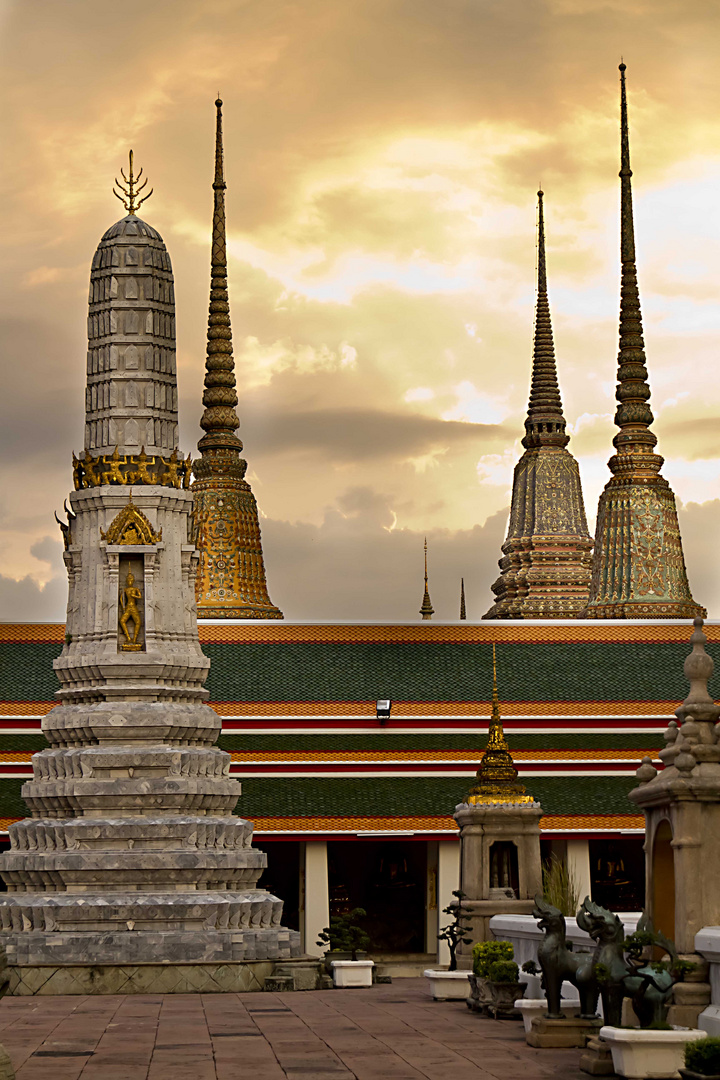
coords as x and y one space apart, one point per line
128 191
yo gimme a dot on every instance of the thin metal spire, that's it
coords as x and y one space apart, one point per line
426 609
633 415
128 192
462 599
545 423
219 420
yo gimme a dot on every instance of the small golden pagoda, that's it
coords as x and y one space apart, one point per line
497 778
638 564
230 581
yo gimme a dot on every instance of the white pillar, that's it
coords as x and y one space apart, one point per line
578 863
314 895
448 879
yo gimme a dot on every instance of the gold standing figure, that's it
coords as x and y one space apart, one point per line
128 603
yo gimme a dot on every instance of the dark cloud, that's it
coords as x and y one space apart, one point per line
27 601
355 567
345 435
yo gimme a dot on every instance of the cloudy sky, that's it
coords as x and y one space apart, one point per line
382 159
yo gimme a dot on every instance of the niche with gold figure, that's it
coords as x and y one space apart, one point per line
131 604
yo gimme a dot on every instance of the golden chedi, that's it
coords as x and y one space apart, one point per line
230 582
638 564
545 568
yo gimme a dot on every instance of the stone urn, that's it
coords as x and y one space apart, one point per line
503 996
480 997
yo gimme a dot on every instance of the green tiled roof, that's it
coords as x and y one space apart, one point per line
433 671
437 671
307 797
471 741
26 672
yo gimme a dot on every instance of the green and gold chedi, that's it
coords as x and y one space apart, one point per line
545 568
497 778
230 581
638 565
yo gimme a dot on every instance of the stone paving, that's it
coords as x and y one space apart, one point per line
385 1033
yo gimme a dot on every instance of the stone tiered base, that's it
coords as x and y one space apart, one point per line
140 979
134 860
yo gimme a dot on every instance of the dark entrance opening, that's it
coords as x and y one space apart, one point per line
388 879
617 872
504 866
282 877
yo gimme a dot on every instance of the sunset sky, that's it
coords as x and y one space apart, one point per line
382 159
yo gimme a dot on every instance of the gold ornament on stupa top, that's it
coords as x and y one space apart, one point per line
230 582
128 191
638 564
426 609
497 778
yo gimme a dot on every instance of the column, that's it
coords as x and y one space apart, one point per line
578 864
314 895
448 879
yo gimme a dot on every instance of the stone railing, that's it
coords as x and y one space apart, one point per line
707 943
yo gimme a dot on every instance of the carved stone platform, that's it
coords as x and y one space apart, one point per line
573 1031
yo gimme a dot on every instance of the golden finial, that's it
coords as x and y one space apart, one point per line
129 190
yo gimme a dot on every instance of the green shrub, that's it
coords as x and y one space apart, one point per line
703 1056
344 935
504 971
486 953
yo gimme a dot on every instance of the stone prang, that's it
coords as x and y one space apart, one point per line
132 854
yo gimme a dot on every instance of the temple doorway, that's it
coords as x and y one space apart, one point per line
388 879
617 873
282 877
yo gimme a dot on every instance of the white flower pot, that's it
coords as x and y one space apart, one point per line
352 972
447 985
639 1052
532 1007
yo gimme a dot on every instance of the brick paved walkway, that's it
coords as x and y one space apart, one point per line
385 1033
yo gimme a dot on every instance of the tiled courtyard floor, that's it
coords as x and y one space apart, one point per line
385 1033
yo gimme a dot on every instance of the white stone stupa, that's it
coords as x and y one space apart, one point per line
133 874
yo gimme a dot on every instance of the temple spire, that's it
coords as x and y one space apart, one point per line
638 563
545 569
220 420
230 581
463 616
545 423
426 609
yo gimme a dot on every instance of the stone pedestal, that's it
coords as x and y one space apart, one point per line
573 1031
497 880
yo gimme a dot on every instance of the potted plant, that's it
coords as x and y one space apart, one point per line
344 936
702 1060
624 969
485 954
505 989
449 984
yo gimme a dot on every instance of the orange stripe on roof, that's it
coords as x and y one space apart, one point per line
470 755
578 823
392 633
401 709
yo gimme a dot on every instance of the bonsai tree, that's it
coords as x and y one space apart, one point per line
702 1058
456 932
488 953
344 935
